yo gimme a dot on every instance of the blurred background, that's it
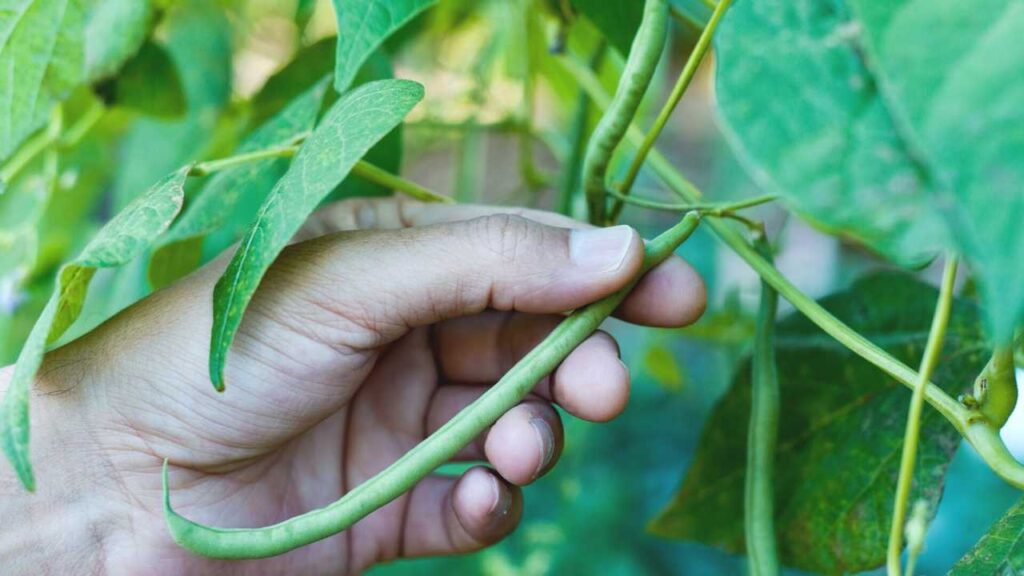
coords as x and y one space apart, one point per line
481 137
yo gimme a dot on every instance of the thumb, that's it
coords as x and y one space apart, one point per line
391 281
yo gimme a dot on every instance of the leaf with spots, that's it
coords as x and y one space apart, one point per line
840 433
357 121
1000 551
122 239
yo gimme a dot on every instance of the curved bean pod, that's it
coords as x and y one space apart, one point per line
435 450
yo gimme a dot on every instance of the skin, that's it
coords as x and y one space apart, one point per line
357 345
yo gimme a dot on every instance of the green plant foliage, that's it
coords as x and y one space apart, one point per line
1001 551
662 366
148 83
960 103
354 124
41 45
309 65
363 25
822 137
123 238
840 433
114 31
617 19
233 196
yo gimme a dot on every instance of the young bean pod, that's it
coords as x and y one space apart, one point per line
759 494
636 76
435 450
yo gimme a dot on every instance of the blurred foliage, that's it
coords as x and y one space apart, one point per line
864 159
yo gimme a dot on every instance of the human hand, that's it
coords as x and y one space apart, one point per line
386 320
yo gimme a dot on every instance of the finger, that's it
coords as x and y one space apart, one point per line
671 295
456 516
591 383
388 282
522 445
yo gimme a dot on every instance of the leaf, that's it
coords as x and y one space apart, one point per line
233 196
618 20
803 112
960 102
309 65
123 238
114 31
1000 551
357 121
840 434
148 83
661 365
363 25
41 60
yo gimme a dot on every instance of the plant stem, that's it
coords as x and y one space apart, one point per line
685 77
48 137
930 359
709 209
981 435
759 495
577 142
221 164
362 169
432 452
372 173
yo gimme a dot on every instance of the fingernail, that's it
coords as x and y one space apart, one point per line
502 502
600 249
546 438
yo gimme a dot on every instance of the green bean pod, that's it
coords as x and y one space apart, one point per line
432 452
636 76
759 494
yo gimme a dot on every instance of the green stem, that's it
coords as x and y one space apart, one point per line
376 175
682 83
432 452
980 434
759 509
930 359
709 209
45 139
577 143
362 169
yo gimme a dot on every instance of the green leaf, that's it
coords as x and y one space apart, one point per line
363 25
357 121
309 65
114 31
960 100
123 238
618 20
41 60
840 434
1000 551
805 116
232 197
662 366
148 83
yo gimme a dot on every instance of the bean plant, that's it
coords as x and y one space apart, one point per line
895 125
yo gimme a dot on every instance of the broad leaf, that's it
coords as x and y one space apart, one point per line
1000 551
356 122
114 31
804 113
840 435
363 25
41 60
309 65
148 83
123 238
233 195
961 99
618 20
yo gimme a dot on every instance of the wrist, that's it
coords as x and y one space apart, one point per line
62 527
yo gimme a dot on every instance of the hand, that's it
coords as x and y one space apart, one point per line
386 320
